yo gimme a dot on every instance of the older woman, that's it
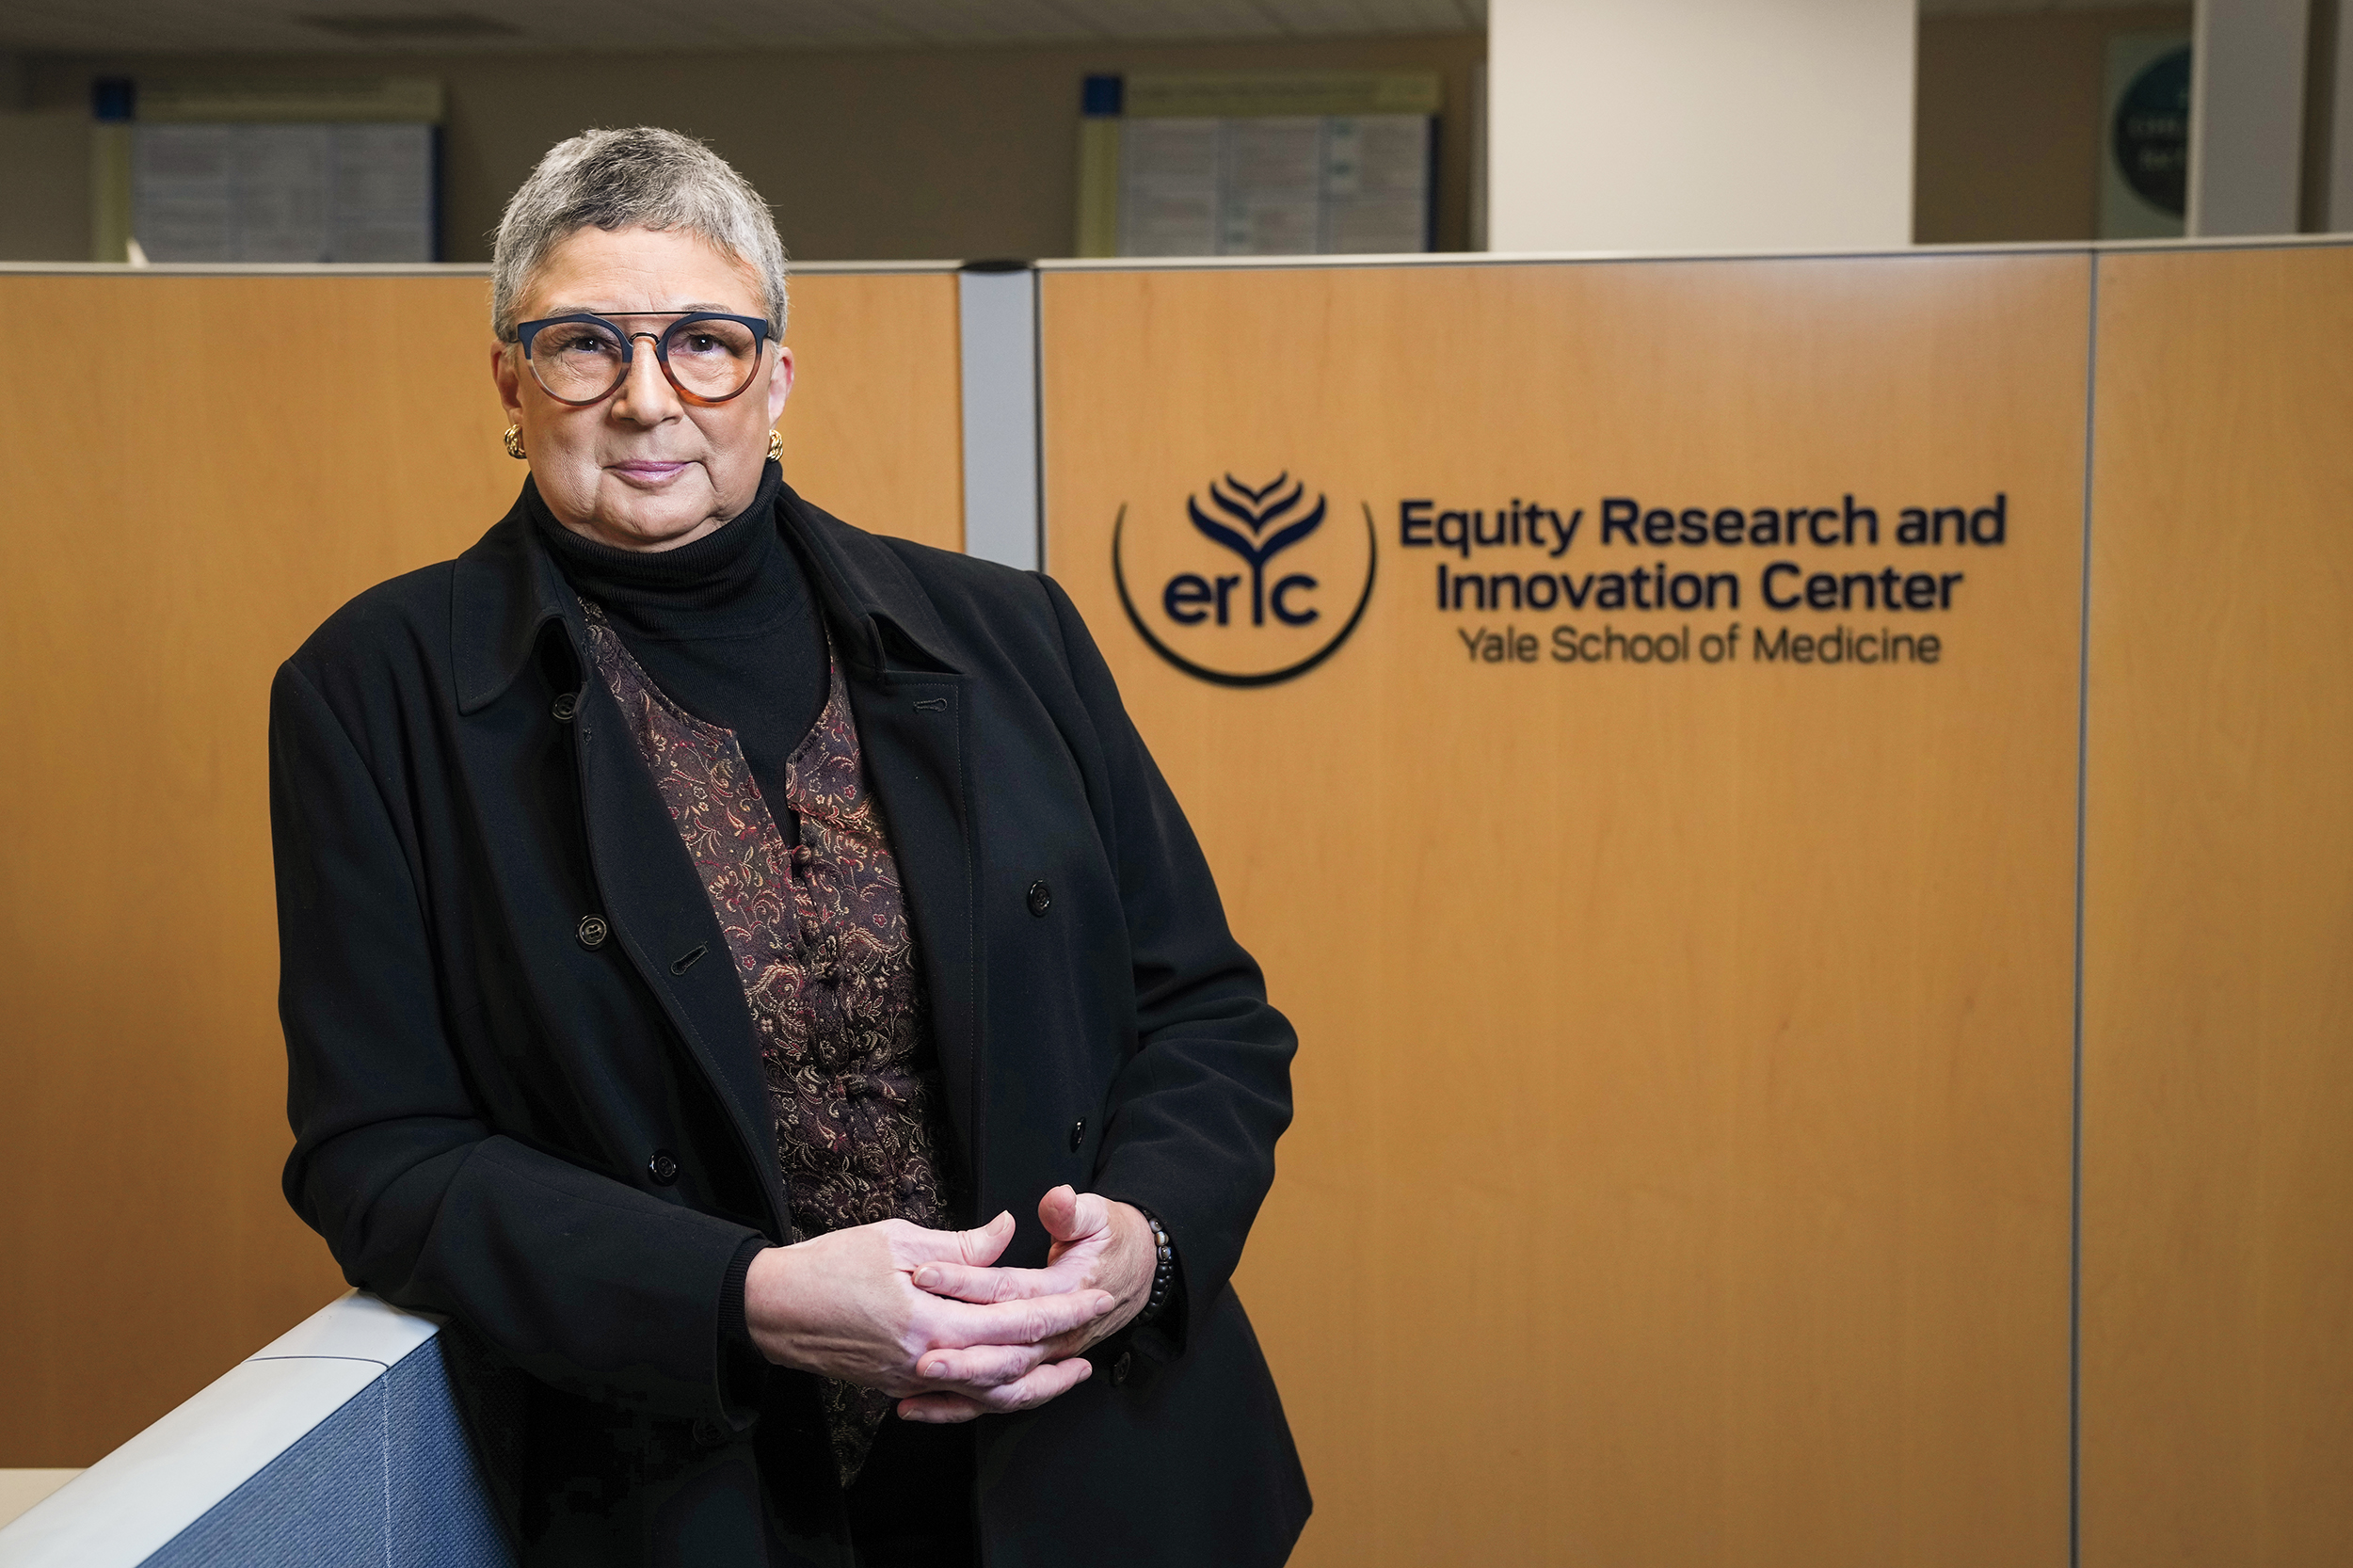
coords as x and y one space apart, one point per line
697 914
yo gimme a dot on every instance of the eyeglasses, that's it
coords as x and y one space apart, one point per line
708 357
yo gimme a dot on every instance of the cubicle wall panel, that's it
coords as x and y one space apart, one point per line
200 469
2217 1316
1682 1170
325 1500
873 432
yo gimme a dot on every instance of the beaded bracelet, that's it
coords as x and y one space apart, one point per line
1163 1271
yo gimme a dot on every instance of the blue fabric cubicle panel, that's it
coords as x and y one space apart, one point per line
437 1513
387 1480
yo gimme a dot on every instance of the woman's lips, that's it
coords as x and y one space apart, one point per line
648 474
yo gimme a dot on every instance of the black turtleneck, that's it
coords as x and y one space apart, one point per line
726 626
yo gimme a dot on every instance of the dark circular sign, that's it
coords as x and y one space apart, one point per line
1266 521
2149 140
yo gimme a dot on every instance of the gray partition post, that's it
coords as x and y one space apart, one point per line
2247 116
997 314
2338 219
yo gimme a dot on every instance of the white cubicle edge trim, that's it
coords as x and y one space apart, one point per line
997 334
1803 254
125 1508
1162 264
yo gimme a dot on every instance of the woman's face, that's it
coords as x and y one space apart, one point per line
644 469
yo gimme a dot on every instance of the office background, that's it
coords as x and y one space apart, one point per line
1752 1111
979 142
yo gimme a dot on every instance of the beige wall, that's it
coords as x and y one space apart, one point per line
44 187
1699 124
866 155
972 152
2008 136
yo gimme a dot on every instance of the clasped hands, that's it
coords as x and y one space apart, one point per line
924 1315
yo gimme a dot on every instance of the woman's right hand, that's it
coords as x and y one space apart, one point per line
844 1305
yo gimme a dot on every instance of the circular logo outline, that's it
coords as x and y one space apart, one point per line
2159 91
1228 677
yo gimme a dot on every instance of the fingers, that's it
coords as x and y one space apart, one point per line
1073 1216
1048 1381
1064 1346
981 1367
987 1287
1016 1322
986 1245
939 1409
912 1246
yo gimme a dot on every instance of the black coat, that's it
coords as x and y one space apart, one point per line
479 1086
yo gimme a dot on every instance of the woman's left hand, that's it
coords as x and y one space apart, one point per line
1099 1245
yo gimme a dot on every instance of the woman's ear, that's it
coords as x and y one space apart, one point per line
506 376
779 382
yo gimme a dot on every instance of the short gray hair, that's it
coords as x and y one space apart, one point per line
640 178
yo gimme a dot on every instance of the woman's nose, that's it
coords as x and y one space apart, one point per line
645 397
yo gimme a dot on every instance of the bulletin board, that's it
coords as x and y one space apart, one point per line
1258 163
271 170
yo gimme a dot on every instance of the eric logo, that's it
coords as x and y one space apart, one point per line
1189 597
1244 627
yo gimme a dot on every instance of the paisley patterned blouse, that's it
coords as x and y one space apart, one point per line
819 937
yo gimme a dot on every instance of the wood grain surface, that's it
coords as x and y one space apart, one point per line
875 430
1682 1168
2217 1318
200 471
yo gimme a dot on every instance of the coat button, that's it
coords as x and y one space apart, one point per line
663 1167
1041 899
565 705
592 931
1121 1368
1077 1133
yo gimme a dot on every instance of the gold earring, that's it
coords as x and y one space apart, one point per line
776 447
514 440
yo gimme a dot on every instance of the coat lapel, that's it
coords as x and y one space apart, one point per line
658 911
505 590
910 728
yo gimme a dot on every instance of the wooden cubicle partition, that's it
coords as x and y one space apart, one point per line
200 470
2217 1321
1682 1174
875 433
1684 1167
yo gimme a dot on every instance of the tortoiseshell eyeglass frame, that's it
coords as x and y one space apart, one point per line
525 331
